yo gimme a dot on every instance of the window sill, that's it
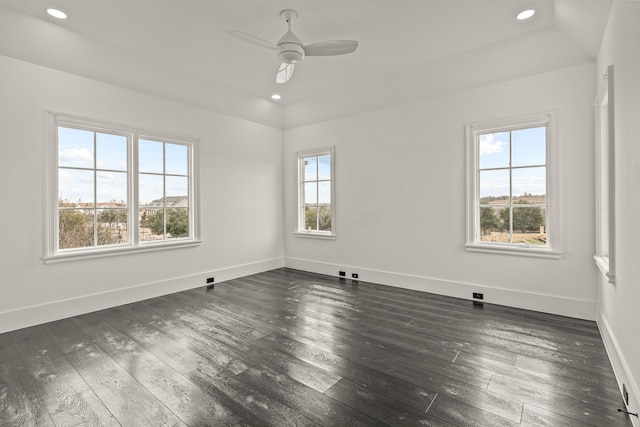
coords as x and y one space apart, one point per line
122 250
514 250
315 235
603 266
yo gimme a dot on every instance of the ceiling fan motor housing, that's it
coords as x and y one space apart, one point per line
291 50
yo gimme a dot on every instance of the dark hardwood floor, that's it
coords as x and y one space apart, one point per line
288 348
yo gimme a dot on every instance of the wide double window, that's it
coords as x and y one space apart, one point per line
315 193
512 186
114 189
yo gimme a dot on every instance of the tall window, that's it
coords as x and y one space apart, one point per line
93 194
163 183
315 193
605 179
114 189
511 179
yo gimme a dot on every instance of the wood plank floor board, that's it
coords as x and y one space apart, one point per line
379 381
216 352
257 352
439 313
316 406
83 409
128 400
68 398
181 396
458 413
411 385
547 398
7 350
21 402
489 311
175 353
51 371
290 348
543 373
380 407
262 406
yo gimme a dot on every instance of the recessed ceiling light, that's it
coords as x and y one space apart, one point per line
56 13
275 97
525 14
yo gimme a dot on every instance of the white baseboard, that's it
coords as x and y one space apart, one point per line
553 304
34 315
620 366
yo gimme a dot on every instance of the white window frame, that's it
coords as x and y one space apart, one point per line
300 218
52 253
553 247
605 179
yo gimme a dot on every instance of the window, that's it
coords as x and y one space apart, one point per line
605 179
316 210
115 189
512 185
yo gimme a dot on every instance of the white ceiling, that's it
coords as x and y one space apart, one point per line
150 45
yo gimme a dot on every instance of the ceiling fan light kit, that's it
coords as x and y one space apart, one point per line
290 50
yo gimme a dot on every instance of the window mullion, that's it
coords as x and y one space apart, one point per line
95 189
133 180
317 193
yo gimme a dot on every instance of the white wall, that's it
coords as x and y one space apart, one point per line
400 196
619 304
241 198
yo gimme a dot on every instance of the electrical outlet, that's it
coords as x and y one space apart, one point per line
209 279
354 275
625 395
341 273
478 295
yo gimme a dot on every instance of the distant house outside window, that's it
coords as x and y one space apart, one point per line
114 189
512 186
316 208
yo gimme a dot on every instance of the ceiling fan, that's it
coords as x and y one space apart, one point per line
290 49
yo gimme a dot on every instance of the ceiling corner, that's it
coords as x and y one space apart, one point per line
583 22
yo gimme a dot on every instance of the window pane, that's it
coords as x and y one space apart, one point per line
310 168
529 146
112 226
324 193
75 228
324 167
311 193
530 182
494 150
76 186
75 148
491 224
177 162
111 188
151 224
529 225
111 152
324 213
310 218
177 223
177 189
494 185
151 189
150 156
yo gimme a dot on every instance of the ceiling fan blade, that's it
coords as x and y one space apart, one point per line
284 72
252 39
330 48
